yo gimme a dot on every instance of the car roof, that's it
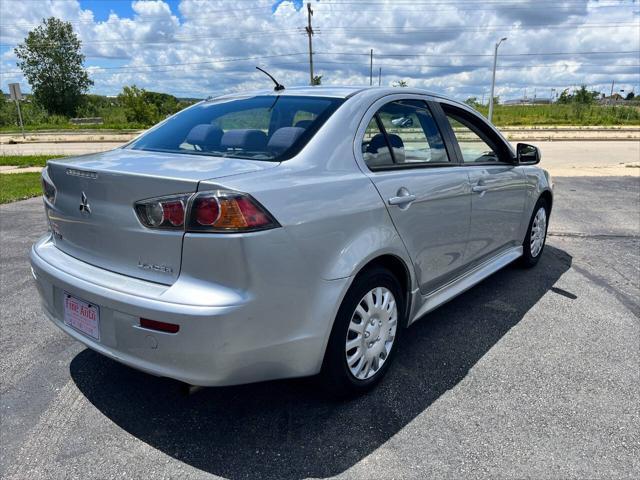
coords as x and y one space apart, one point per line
327 91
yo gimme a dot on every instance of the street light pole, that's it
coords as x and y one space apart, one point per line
493 79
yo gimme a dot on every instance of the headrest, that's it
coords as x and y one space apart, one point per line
283 138
376 143
395 141
397 145
205 136
246 139
303 123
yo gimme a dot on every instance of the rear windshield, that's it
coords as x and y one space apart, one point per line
270 128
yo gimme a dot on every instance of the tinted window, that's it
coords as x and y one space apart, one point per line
412 133
271 128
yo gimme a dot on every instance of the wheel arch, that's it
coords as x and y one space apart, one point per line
399 268
547 196
392 262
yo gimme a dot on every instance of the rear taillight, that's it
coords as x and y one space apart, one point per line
228 211
165 213
218 211
48 189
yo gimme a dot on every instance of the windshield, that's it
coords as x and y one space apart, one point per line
271 128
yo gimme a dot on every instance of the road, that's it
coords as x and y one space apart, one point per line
531 374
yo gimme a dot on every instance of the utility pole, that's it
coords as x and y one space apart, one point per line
493 79
371 68
379 76
613 82
309 30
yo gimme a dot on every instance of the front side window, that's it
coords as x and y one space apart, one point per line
270 128
475 145
403 132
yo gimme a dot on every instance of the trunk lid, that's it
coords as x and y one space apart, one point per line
106 231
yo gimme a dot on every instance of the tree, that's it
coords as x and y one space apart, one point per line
137 107
51 60
584 96
400 83
472 102
165 104
565 97
317 80
581 96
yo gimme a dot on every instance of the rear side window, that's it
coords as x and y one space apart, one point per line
375 149
270 128
403 132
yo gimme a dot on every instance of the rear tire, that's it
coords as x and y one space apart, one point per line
536 237
365 334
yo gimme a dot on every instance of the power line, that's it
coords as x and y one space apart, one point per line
169 66
611 52
540 5
180 39
428 65
530 26
444 2
141 68
337 30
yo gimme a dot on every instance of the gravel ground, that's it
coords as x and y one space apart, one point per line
531 374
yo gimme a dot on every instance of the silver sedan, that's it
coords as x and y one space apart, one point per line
284 234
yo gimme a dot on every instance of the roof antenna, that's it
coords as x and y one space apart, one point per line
278 86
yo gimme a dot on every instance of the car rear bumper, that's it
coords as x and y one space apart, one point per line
226 337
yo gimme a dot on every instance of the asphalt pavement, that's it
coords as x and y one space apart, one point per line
531 374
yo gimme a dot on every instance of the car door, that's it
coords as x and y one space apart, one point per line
497 184
425 190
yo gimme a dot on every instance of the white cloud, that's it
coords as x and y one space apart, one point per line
202 31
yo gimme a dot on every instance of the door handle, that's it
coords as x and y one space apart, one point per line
479 188
402 199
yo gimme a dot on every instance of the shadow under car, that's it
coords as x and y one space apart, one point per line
286 429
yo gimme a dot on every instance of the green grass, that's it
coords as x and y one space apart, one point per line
125 127
556 114
19 186
24 161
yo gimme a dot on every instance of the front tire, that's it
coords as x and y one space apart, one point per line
365 334
536 238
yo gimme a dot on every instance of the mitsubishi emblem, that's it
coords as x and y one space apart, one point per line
84 205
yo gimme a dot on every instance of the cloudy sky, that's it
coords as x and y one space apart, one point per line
207 47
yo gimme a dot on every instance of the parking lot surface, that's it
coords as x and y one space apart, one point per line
531 374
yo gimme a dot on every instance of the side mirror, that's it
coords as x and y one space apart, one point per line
527 154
